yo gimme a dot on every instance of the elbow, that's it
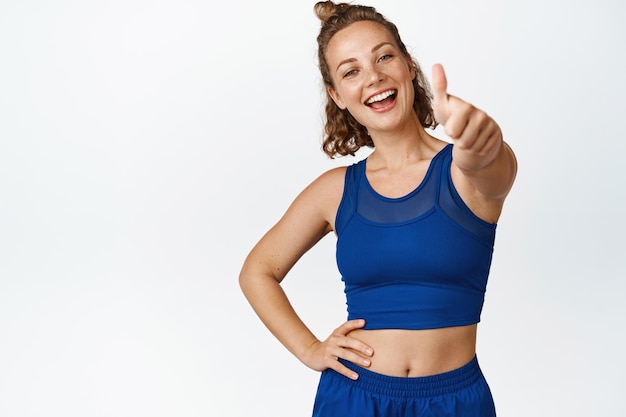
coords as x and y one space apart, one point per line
251 278
244 281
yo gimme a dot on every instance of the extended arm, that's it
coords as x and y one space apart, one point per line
484 165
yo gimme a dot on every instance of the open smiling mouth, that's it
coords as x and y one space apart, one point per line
382 99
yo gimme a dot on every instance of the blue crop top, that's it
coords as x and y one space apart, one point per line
416 262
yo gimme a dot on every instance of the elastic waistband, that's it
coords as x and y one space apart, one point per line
425 386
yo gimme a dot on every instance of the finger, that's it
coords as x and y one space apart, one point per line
476 133
458 118
486 141
347 356
356 359
439 83
344 370
480 135
441 106
350 325
345 341
357 346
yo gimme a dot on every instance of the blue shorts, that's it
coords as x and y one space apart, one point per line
461 392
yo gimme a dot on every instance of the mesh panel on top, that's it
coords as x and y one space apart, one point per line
436 189
379 209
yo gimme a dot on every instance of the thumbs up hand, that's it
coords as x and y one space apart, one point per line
477 137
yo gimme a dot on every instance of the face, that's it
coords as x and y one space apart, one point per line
371 77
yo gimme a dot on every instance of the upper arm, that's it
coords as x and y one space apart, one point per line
309 218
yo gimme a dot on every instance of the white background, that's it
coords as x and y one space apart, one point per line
145 146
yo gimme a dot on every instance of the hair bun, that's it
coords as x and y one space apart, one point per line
324 10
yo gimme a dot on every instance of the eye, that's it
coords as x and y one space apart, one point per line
385 57
349 73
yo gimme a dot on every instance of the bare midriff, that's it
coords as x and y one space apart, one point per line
413 353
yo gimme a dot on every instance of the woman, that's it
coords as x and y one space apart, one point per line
415 223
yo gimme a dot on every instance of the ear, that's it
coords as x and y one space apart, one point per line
333 94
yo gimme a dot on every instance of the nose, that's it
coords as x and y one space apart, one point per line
374 76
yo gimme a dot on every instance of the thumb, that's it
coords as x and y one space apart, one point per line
440 93
439 83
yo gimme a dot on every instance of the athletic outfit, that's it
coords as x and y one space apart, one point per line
416 262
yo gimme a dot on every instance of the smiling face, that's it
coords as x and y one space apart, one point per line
371 77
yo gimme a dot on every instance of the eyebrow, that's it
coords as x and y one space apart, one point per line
374 49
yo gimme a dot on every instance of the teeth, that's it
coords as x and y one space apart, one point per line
380 97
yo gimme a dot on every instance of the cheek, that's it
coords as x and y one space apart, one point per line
348 98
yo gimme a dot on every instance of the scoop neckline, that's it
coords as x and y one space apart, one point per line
412 192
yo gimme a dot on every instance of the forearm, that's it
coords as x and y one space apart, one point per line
491 175
271 304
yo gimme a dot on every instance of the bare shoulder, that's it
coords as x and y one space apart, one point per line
309 218
330 183
325 193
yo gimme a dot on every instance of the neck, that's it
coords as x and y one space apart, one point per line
398 148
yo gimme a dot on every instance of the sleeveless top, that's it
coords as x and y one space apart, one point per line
416 262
